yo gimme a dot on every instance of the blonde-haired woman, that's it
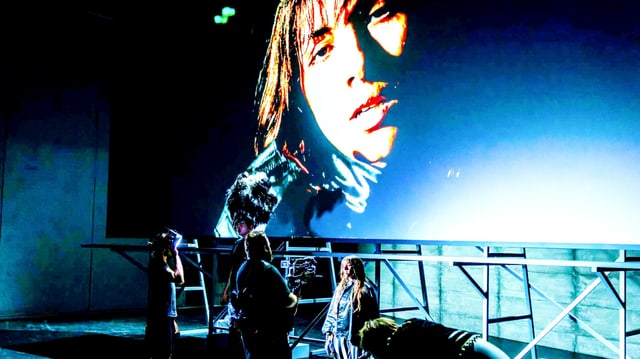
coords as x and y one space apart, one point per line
354 301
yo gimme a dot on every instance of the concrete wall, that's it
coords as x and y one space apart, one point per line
55 156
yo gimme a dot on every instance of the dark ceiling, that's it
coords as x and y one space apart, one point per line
50 29
166 52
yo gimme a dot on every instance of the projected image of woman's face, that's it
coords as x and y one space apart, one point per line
349 105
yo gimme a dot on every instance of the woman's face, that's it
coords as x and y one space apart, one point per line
346 270
348 106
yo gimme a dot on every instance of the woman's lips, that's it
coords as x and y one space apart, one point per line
370 103
369 116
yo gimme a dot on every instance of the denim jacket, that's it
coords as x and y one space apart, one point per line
342 321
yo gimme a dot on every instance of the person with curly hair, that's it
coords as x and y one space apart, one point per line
384 338
250 201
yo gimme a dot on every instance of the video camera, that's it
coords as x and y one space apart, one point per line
300 272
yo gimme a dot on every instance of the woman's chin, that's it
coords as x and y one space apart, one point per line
379 164
375 161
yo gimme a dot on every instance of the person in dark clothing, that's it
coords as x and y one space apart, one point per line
265 302
250 201
384 338
164 272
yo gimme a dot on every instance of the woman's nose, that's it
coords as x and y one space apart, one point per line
352 56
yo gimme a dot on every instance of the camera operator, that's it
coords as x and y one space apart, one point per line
164 272
265 302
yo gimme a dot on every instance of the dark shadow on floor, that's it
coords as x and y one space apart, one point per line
104 346
84 346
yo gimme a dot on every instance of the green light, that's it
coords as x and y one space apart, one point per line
227 12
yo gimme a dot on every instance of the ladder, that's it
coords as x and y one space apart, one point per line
201 287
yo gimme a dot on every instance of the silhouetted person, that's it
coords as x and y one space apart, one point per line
164 272
265 302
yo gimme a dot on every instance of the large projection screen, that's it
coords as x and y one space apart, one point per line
492 121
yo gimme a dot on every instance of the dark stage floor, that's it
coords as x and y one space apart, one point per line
120 335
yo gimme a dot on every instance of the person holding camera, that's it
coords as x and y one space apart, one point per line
165 271
264 301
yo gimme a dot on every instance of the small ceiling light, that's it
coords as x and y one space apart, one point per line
227 12
218 19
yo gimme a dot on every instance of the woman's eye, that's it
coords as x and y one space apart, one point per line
379 15
321 54
383 11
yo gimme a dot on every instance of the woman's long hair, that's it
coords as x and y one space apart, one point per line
298 134
359 277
